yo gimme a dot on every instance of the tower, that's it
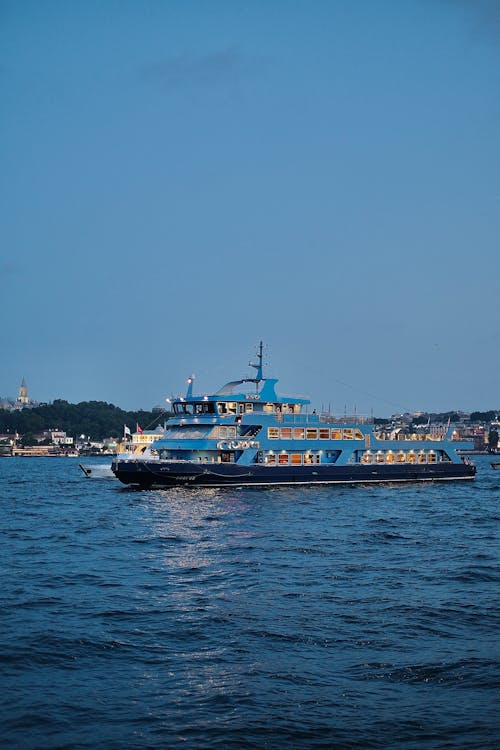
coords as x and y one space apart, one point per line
23 393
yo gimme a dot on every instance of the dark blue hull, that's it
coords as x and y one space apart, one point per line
169 474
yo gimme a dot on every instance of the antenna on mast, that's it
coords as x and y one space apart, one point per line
258 365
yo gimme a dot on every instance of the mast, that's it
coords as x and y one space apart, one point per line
258 366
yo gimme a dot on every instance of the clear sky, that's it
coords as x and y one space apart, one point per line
179 179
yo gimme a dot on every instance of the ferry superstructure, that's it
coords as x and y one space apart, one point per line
248 435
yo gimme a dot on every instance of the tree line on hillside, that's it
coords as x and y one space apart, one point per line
96 419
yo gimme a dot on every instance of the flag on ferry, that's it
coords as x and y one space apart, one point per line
126 431
138 428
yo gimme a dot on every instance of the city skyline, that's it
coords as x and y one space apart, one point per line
180 181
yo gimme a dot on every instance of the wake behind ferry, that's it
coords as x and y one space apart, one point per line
247 435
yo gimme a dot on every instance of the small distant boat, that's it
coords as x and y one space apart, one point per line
97 471
496 465
139 446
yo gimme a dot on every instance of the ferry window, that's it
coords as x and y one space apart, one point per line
379 458
286 433
271 459
358 435
311 433
422 459
296 458
222 408
249 407
231 407
308 459
336 434
367 458
283 458
324 433
189 432
432 457
298 433
205 407
273 433
389 458
348 434
401 458
412 458
268 408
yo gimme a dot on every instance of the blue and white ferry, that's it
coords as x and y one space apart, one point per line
248 435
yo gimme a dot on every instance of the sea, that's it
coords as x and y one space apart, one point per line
333 617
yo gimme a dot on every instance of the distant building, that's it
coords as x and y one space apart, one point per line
22 401
23 397
58 437
146 437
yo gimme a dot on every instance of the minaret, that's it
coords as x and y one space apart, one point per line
23 393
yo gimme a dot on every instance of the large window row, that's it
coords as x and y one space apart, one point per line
314 433
400 457
296 459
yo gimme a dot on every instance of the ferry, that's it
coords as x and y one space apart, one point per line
245 434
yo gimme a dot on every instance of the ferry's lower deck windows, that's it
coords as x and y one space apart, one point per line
308 458
401 457
271 459
283 458
296 458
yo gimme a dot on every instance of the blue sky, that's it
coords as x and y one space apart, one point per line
181 179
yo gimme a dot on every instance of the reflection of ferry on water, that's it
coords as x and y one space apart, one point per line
245 434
